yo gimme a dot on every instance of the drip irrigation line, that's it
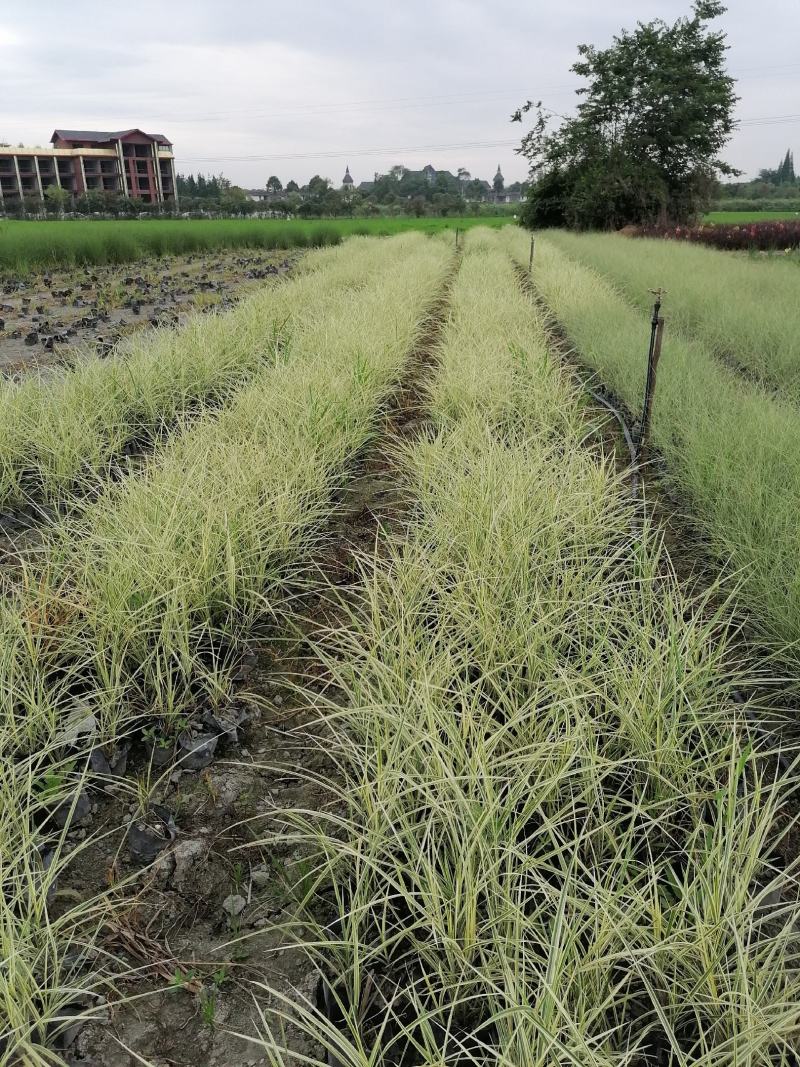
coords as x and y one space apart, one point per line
629 441
620 419
763 731
637 493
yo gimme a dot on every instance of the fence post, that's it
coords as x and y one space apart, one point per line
456 238
653 356
530 259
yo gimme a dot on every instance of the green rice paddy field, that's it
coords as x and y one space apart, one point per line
27 245
734 217
518 784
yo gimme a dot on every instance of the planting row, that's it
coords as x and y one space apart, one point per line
745 312
733 451
132 614
554 842
142 591
60 434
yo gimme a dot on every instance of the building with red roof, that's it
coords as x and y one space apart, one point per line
126 162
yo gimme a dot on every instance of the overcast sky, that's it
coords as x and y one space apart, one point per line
298 87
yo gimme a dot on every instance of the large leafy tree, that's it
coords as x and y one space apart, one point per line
644 144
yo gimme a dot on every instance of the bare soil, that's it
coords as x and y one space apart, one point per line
46 318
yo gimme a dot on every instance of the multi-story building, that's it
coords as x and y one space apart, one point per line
128 162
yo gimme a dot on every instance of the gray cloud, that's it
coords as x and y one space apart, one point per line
298 88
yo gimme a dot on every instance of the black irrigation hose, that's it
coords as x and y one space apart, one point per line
620 419
762 731
627 435
526 278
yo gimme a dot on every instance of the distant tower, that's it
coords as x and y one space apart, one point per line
499 181
347 181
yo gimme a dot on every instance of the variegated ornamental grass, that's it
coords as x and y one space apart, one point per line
556 840
131 598
731 449
61 433
741 309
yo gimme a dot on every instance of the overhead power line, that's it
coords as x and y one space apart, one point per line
342 152
399 103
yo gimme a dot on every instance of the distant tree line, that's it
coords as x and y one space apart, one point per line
783 174
213 193
772 183
400 191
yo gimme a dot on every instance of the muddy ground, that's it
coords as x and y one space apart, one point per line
45 318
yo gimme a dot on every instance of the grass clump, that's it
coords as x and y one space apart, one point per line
137 600
135 606
219 513
61 435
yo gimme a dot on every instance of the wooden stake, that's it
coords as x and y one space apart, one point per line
653 356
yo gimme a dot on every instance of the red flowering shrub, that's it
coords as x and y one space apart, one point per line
762 236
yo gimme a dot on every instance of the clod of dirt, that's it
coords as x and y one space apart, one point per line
73 811
234 905
196 752
79 727
160 752
150 835
226 724
112 761
186 856
261 876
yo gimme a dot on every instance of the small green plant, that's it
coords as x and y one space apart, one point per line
156 735
182 978
208 1007
238 875
53 782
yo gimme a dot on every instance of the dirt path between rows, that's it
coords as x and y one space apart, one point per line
205 922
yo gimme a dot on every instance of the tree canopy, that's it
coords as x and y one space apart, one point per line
645 141
783 174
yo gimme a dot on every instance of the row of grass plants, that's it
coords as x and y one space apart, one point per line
133 608
555 840
745 312
731 450
60 433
